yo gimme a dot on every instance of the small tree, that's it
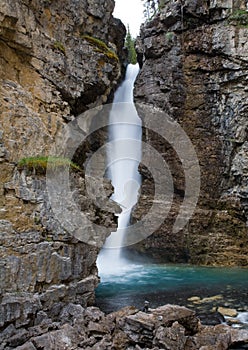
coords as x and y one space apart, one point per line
129 44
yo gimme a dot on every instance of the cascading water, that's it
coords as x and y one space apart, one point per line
160 284
124 155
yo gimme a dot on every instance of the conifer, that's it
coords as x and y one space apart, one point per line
129 44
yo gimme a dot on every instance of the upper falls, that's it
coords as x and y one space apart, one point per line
124 156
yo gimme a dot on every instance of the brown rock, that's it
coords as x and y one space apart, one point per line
218 337
50 73
227 312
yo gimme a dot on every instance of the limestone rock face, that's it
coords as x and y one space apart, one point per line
194 58
47 68
57 60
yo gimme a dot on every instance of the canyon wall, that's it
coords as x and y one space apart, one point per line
194 58
58 59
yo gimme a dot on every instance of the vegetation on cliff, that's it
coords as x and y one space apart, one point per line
40 163
59 46
101 47
239 18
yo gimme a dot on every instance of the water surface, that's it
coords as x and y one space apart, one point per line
132 284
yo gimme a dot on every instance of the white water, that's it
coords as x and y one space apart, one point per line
124 155
243 317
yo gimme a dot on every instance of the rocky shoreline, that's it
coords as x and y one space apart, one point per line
166 327
211 309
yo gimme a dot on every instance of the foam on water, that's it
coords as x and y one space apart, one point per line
243 317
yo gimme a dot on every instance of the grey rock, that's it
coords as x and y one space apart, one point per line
194 69
239 336
167 327
27 346
18 339
170 338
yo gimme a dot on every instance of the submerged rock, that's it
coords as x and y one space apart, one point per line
227 312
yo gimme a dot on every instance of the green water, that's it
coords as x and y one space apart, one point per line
175 284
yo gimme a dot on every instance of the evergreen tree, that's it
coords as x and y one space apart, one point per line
129 44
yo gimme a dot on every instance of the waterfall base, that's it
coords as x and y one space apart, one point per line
200 288
111 262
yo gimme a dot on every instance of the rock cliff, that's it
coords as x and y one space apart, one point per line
194 58
58 59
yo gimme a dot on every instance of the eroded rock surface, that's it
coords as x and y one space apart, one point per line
194 67
167 327
58 59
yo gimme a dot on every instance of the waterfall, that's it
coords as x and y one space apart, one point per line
124 155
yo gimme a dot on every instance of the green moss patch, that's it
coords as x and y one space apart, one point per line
59 46
40 163
100 46
239 18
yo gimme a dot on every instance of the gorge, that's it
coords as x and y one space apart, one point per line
62 60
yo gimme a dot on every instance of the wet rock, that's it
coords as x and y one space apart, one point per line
211 299
234 322
194 299
227 312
